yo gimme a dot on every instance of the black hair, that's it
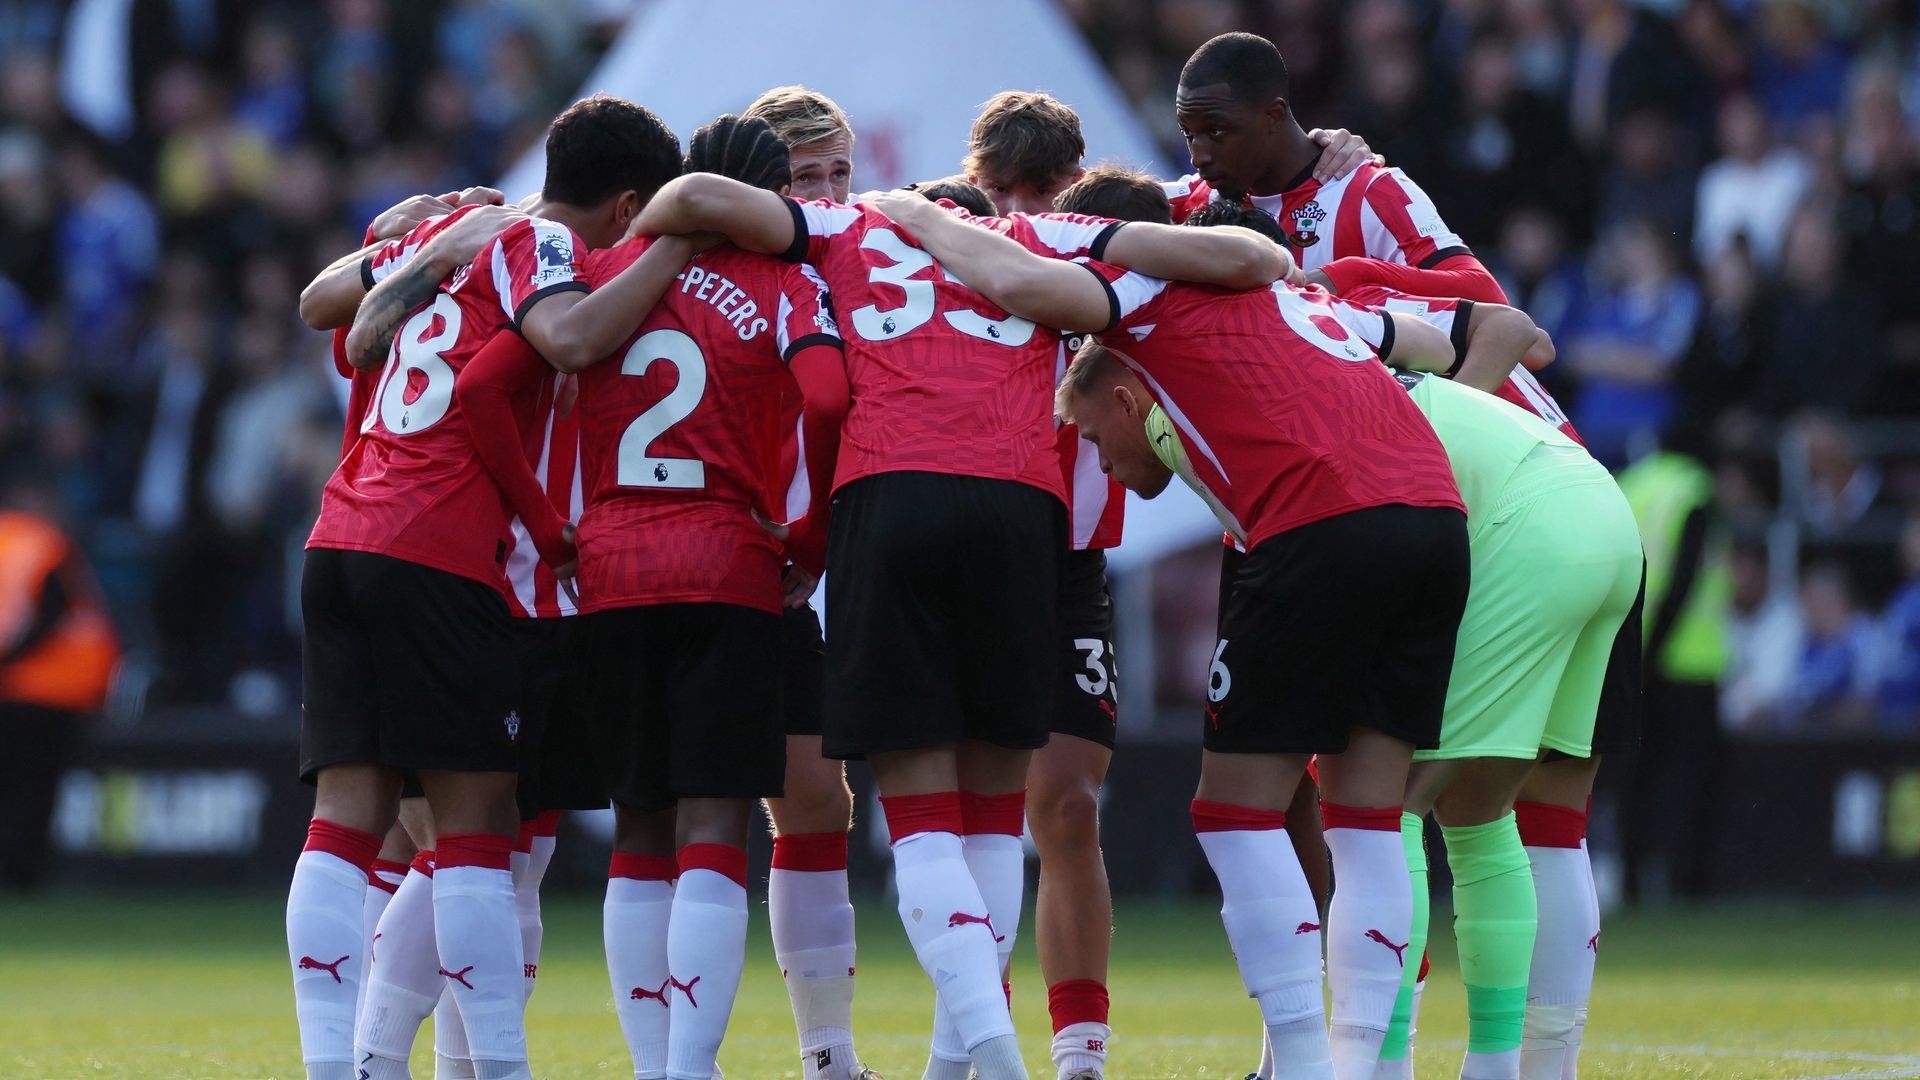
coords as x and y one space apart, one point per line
743 150
603 146
1223 212
1249 65
1114 191
957 190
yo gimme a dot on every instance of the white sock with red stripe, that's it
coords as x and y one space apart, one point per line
404 980
1274 929
383 877
1080 1032
1368 930
949 925
1568 941
998 862
326 943
479 940
452 1059
812 919
532 854
706 952
638 909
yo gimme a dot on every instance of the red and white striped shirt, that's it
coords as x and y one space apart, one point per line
553 446
1372 212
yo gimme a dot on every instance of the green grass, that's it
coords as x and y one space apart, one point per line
197 986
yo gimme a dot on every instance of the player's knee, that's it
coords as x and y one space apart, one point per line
822 805
1064 817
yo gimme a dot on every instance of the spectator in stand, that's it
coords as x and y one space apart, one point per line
273 91
1752 191
1879 214
1836 674
1539 273
1819 331
1799 72
1900 682
1764 637
1652 173
109 245
1625 57
1504 145
1840 485
1635 324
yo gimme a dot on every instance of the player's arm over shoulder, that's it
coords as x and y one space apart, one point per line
575 329
752 218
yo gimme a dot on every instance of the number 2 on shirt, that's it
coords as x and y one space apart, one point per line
637 467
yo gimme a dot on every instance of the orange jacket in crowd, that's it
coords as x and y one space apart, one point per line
57 647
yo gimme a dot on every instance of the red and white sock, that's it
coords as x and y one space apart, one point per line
1274 929
997 860
706 951
532 853
812 919
452 1059
1568 941
1080 1032
479 940
403 981
950 926
326 943
383 877
1369 922
638 909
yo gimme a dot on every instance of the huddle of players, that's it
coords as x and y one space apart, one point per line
716 397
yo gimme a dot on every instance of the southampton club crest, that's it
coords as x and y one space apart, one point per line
1305 225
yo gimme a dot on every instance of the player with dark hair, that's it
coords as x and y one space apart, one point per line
403 568
1346 555
1247 145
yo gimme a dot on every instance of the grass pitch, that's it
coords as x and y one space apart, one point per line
171 986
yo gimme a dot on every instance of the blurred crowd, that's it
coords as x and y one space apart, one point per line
1710 203
151 362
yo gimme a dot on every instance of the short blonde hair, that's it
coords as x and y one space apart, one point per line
1092 369
800 116
1024 136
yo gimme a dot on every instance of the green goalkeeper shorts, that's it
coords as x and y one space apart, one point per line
1556 565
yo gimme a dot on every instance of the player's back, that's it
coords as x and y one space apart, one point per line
1283 408
1486 439
943 381
411 486
682 428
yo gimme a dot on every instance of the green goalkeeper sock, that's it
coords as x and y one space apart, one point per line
1495 918
1399 1044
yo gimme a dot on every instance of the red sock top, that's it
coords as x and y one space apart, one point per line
1376 818
814 852
422 862
908 815
488 851
523 842
547 822
352 846
1547 825
1209 816
724 859
388 866
981 815
1077 1001
625 864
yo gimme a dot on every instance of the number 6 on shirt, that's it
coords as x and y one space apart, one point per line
637 468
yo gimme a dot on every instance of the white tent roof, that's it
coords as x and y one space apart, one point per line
910 75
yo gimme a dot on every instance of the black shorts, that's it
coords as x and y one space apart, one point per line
689 698
1617 724
803 661
562 770
1088 694
407 666
1343 623
941 591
